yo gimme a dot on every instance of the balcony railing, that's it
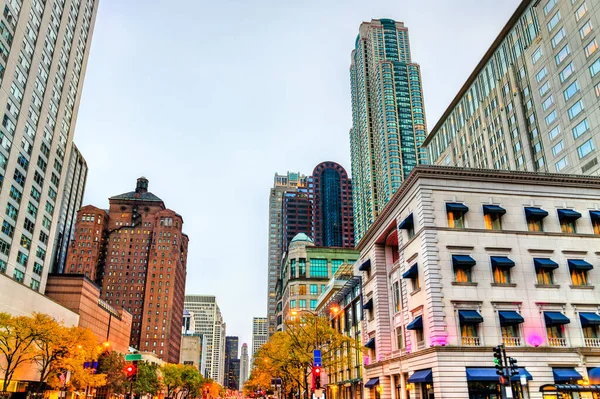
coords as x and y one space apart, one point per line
511 341
471 341
592 342
557 342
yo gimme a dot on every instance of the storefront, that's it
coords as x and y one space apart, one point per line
570 391
373 386
483 383
423 379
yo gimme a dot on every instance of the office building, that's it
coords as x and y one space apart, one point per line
71 202
531 103
296 215
137 252
260 333
305 273
244 365
282 184
330 191
232 373
461 260
43 59
209 322
388 119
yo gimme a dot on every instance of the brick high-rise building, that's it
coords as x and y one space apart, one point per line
137 252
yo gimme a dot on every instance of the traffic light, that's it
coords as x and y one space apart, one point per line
131 372
317 376
514 367
498 362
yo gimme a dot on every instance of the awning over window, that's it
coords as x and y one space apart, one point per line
469 317
594 375
489 374
545 263
456 207
566 375
407 223
421 376
416 324
368 305
372 382
579 264
463 261
569 214
535 213
502 262
555 319
510 318
370 344
412 272
595 215
488 209
589 319
366 265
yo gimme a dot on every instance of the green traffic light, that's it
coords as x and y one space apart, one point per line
497 361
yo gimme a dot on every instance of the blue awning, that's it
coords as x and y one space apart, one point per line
412 272
566 375
469 317
589 319
579 264
489 374
569 214
416 324
421 376
595 215
555 319
463 261
456 207
407 223
368 305
536 213
502 262
510 317
370 344
487 209
372 382
545 263
366 265
594 375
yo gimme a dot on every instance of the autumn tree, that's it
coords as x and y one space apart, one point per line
112 365
171 374
146 379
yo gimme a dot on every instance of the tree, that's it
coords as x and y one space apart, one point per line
147 379
112 365
18 337
191 381
171 377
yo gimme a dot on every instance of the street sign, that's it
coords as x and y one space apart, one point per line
132 357
317 362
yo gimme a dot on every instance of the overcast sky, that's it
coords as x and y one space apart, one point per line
208 99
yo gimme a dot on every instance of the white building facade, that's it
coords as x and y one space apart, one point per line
462 260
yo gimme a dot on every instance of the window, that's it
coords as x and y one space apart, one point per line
301 267
553 21
560 35
595 68
581 128
469 326
568 219
544 89
591 48
462 265
314 289
456 215
581 11
537 54
293 304
302 303
34 285
547 103
555 328
562 54
560 165
595 217
585 29
492 217
597 89
313 304
566 72
11 211
571 90
575 109
544 276
549 6
510 334
318 268
335 265
399 338
293 268
541 74
501 266
22 258
302 289
585 148
396 294
556 149
19 275
550 118
413 275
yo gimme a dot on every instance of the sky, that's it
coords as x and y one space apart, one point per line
209 99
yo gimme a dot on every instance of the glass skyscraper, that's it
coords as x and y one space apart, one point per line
388 117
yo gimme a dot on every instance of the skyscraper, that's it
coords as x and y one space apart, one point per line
531 103
209 323
71 202
282 184
137 252
388 119
232 373
260 333
330 191
243 365
43 58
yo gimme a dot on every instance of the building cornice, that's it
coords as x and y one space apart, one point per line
473 175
